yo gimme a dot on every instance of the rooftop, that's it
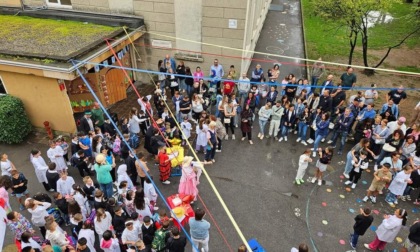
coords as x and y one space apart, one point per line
48 38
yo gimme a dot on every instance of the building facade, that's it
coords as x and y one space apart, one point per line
185 29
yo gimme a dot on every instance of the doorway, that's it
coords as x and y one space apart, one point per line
3 90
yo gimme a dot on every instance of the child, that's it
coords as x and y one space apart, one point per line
381 177
123 176
186 129
64 184
325 157
78 218
131 234
363 222
109 242
176 242
89 188
116 146
150 193
74 144
27 241
118 221
162 218
55 154
54 234
358 166
128 201
19 188
99 201
398 184
52 176
148 230
65 146
61 203
164 166
87 233
144 124
304 160
201 131
122 190
82 245
124 126
165 114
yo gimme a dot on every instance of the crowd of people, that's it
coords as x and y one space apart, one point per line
115 207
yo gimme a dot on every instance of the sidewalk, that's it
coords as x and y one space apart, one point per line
282 35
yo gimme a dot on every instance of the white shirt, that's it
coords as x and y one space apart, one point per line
130 235
394 125
302 162
6 167
115 246
186 129
150 192
65 186
31 243
243 84
59 161
39 214
103 225
89 234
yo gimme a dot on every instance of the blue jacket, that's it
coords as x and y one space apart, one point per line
394 109
343 123
272 100
322 128
365 114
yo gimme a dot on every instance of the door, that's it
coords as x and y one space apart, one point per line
116 87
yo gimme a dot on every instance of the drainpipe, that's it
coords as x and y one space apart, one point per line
305 49
244 53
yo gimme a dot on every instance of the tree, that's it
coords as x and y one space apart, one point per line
354 14
15 125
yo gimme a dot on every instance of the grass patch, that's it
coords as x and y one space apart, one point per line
47 36
412 69
328 40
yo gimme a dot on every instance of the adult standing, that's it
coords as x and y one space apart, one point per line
98 116
338 97
198 74
246 123
199 230
388 230
328 84
216 70
416 116
188 182
211 142
220 131
142 204
134 122
318 70
257 74
276 115
399 124
389 107
228 86
263 115
397 95
162 76
341 128
6 165
244 86
86 122
103 175
197 106
321 131
169 61
348 79
228 118
189 81
274 74
40 168
371 94
185 108
180 70
55 154
325 102
394 143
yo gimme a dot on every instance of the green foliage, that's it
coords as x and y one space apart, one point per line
329 37
15 125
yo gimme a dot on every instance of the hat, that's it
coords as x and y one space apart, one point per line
129 222
88 112
100 158
188 160
357 99
159 121
402 119
179 212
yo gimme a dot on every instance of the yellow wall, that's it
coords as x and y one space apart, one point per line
42 99
10 3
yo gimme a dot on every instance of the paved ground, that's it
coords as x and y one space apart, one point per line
256 181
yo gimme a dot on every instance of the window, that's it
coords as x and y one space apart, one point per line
59 3
2 87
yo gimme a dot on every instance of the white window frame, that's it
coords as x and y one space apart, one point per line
58 5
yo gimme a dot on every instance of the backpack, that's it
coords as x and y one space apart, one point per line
91 216
116 147
43 197
134 141
55 212
158 242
